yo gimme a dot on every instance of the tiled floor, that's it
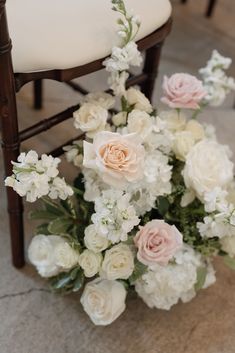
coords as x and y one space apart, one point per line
34 321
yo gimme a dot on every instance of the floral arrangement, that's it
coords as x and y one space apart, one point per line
153 201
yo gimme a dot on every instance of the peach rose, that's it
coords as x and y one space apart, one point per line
182 91
157 242
117 158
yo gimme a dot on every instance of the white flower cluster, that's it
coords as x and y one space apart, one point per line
216 82
73 153
114 216
33 177
163 286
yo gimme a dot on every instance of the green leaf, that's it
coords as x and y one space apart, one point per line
61 281
163 205
42 229
230 262
42 214
52 207
78 282
74 272
59 225
139 270
201 277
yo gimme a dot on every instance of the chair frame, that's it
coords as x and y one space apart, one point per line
11 83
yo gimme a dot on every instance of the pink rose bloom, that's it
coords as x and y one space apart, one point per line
117 158
182 91
157 242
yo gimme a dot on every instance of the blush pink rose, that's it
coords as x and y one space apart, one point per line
157 242
182 91
117 158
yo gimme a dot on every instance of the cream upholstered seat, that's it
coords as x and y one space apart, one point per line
60 34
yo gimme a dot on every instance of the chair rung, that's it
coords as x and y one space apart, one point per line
76 87
47 123
135 80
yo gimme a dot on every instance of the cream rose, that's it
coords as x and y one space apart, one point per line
183 142
118 263
94 241
103 301
175 121
196 129
90 262
119 118
90 118
136 98
228 245
65 256
117 158
102 99
207 166
140 122
157 242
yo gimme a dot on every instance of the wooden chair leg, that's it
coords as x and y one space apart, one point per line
210 8
38 92
184 1
151 65
10 139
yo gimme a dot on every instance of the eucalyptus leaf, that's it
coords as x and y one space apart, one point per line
78 283
42 214
42 229
230 262
139 270
61 282
74 272
201 278
60 225
163 205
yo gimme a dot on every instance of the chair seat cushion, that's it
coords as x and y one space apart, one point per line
60 34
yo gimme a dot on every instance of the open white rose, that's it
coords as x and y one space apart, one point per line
183 142
117 158
65 256
103 301
90 118
118 263
94 241
140 122
207 166
90 262
137 98
41 254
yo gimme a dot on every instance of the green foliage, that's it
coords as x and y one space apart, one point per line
229 261
201 278
67 282
139 270
163 205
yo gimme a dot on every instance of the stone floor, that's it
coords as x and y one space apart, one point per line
34 321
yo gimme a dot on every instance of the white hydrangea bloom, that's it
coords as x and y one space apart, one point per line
114 216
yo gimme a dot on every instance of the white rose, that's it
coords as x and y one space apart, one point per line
175 121
118 263
120 118
137 98
93 241
41 254
90 118
183 142
102 99
207 166
103 301
228 245
90 262
65 256
140 122
196 129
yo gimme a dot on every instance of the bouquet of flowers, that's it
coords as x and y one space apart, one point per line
153 201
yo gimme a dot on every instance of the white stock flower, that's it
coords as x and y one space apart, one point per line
216 200
136 98
103 99
103 301
219 225
51 255
94 241
59 189
73 153
120 118
48 165
196 129
117 82
118 263
228 245
140 122
207 166
114 216
65 256
90 118
90 262
183 143
175 121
